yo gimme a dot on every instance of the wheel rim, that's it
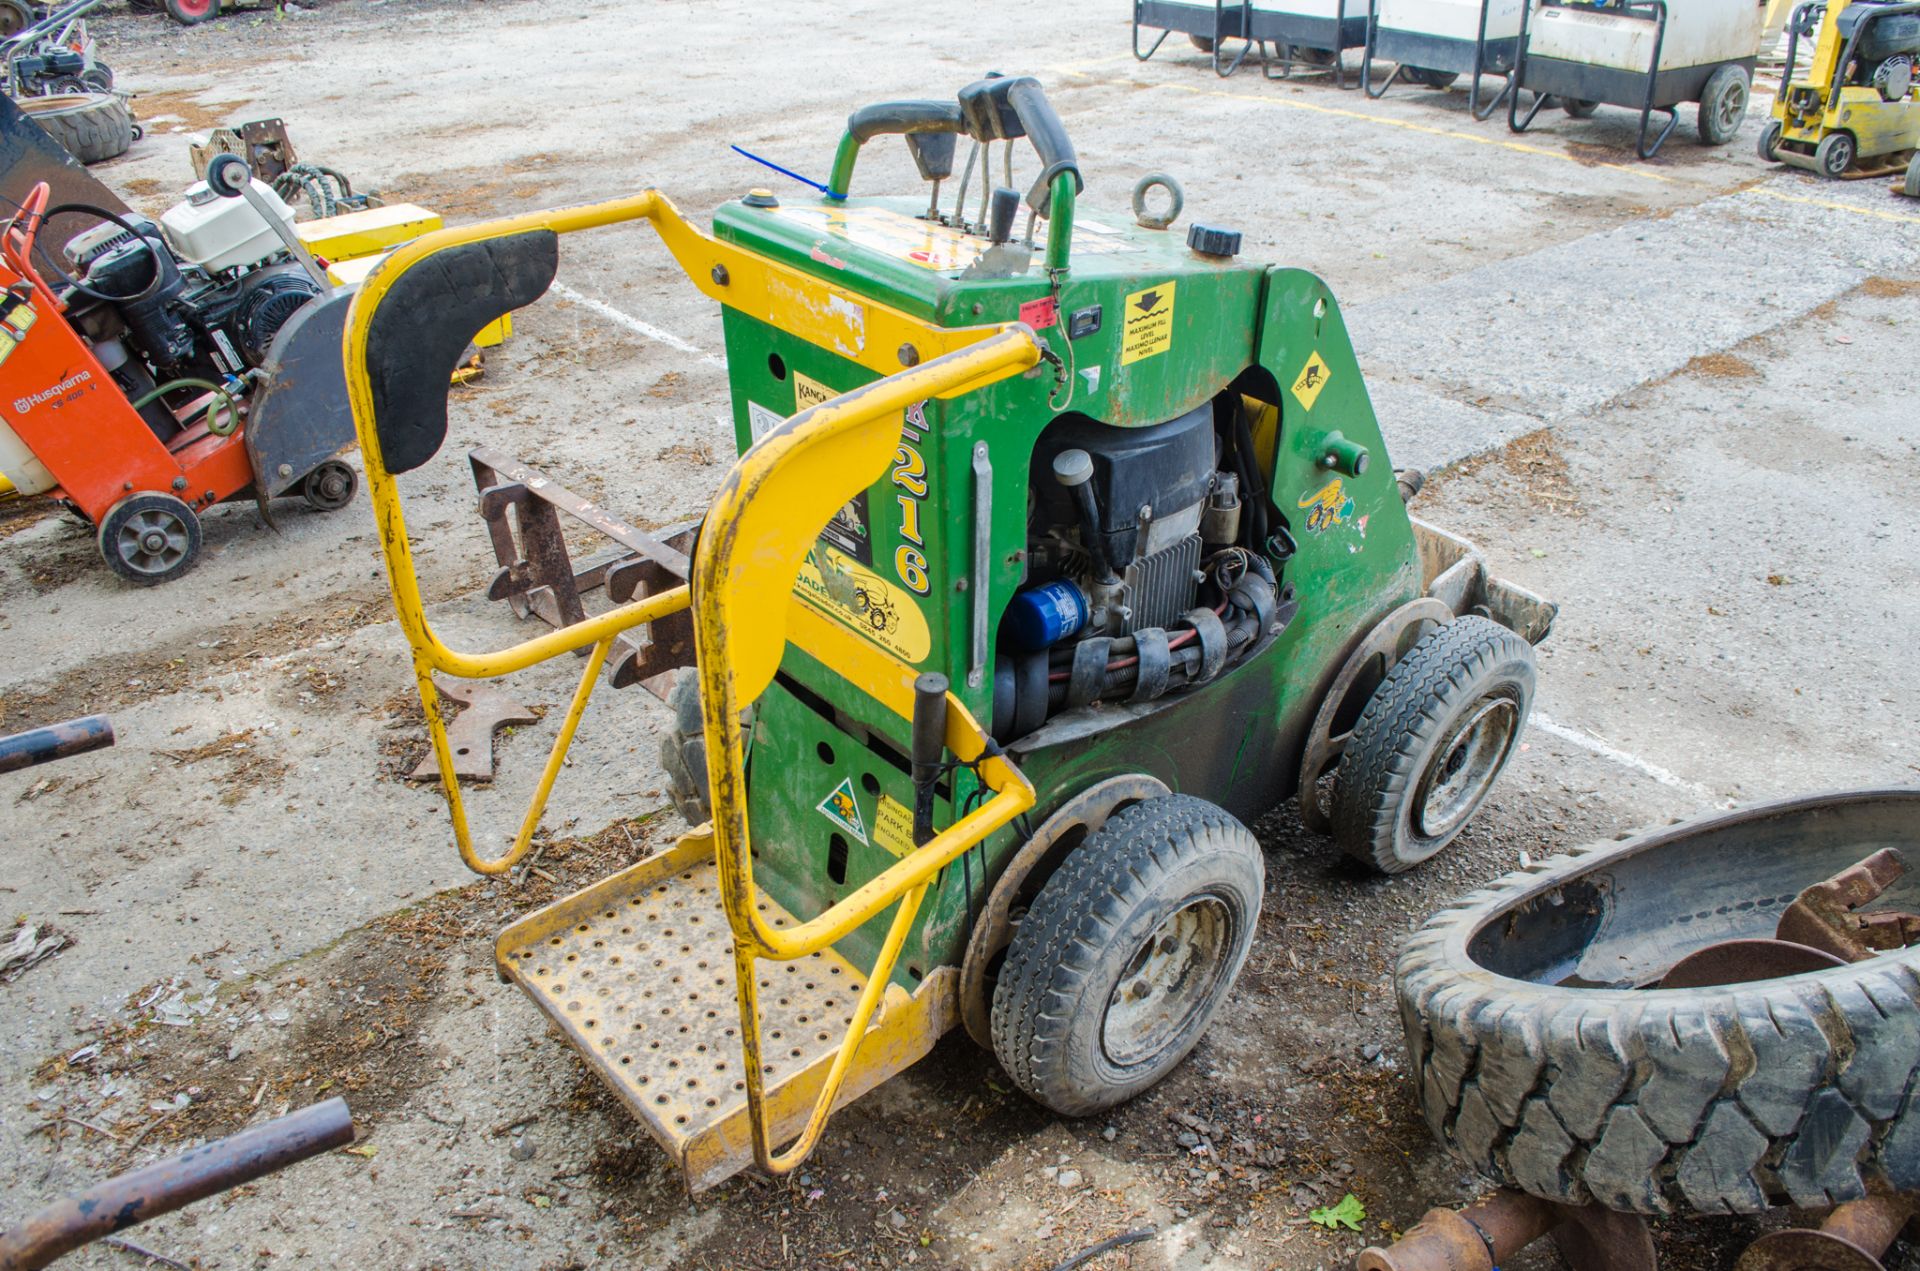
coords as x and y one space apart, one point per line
1839 157
1465 768
194 8
1732 109
331 486
153 542
1170 979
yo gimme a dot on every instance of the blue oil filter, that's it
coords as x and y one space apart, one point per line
1042 616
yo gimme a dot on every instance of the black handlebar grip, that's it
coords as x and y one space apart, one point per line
1043 126
883 118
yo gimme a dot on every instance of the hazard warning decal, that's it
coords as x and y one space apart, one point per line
1148 329
1312 378
843 810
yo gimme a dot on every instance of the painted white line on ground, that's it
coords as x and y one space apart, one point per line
644 329
1586 741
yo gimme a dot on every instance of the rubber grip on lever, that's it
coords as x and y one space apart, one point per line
883 118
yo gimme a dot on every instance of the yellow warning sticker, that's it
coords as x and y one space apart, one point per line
15 317
1148 329
893 826
1312 378
884 612
808 392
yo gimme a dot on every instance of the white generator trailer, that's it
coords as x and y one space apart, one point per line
1287 35
1435 42
1645 55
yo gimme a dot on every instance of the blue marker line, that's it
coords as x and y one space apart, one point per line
787 172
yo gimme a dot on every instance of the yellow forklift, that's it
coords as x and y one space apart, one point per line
1853 110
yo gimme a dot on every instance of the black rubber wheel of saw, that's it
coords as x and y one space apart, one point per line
1431 79
1723 105
149 539
93 127
1431 742
329 487
1539 1062
1579 107
1128 952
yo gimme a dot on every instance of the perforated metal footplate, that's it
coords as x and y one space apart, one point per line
637 970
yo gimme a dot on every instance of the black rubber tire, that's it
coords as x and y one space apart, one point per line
1202 42
123 551
1723 105
1770 141
15 17
1091 920
330 487
683 751
1716 1100
1579 107
1431 78
1409 725
93 127
1912 187
1834 156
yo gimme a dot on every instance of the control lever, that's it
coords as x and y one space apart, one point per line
229 177
929 743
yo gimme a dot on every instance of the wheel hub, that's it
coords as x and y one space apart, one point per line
153 542
1171 977
1466 767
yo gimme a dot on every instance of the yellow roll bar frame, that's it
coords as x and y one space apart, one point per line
745 566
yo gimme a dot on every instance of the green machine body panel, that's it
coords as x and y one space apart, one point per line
1140 330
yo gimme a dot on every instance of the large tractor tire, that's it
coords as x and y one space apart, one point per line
93 127
1129 950
1542 1057
1433 739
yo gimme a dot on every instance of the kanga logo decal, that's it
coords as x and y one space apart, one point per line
843 810
1327 506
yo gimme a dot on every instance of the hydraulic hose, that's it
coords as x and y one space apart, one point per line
213 425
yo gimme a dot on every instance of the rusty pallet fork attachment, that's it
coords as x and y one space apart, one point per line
621 957
537 577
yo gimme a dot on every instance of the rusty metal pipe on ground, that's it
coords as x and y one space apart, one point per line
1853 1238
195 1174
1476 1238
56 741
1485 1234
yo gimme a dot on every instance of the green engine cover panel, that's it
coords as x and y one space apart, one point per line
1162 330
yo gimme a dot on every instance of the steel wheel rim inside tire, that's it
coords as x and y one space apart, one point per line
1731 109
1170 979
153 541
1465 768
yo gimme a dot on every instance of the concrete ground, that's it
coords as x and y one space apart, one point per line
1675 397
